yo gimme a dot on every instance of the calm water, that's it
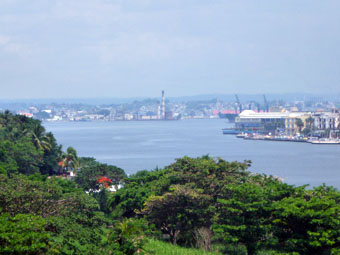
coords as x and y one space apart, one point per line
141 145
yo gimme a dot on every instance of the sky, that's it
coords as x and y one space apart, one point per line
136 48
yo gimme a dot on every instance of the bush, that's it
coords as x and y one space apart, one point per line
127 236
23 234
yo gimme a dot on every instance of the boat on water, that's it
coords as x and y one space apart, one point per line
230 131
326 141
241 135
234 131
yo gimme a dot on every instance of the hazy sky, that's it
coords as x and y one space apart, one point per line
122 48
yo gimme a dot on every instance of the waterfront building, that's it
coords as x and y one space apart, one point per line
326 120
261 122
128 116
292 123
283 122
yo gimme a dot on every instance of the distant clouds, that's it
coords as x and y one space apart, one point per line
87 48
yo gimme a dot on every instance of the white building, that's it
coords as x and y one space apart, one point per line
270 122
326 120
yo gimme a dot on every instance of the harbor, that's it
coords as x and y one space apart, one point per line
317 128
141 145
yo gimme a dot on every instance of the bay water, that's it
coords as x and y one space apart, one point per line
139 145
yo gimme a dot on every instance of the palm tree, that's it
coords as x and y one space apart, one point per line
129 235
43 143
5 118
39 138
299 123
70 160
310 124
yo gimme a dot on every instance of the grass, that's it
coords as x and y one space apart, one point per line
155 247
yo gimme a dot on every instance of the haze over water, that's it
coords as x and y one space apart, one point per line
139 145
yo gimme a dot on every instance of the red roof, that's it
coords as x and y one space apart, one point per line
228 111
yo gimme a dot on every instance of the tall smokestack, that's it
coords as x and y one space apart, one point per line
163 106
159 111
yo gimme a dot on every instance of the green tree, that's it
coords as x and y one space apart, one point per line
178 212
42 115
245 214
203 176
27 157
38 136
207 173
70 161
244 218
310 122
87 177
27 143
5 119
23 234
8 165
50 158
52 197
309 222
127 236
73 220
136 190
90 176
299 123
77 235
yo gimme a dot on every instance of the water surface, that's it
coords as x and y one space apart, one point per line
137 145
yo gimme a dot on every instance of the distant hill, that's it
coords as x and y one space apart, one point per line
14 103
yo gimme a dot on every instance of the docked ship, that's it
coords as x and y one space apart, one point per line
230 116
231 131
326 141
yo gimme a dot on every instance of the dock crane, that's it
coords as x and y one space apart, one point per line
238 103
266 107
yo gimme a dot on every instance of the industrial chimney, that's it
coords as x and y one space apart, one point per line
163 106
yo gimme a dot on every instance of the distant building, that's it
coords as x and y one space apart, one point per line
145 117
27 114
128 116
263 122
291 125
169 115
55 118
282 122
326 120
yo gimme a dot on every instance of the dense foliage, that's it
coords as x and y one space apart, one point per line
25 146
53 215
208 199
200 202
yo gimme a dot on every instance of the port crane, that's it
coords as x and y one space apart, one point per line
266 107
238 103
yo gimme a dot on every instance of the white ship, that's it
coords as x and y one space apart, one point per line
326 141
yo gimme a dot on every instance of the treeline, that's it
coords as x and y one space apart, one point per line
200 201
195 202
